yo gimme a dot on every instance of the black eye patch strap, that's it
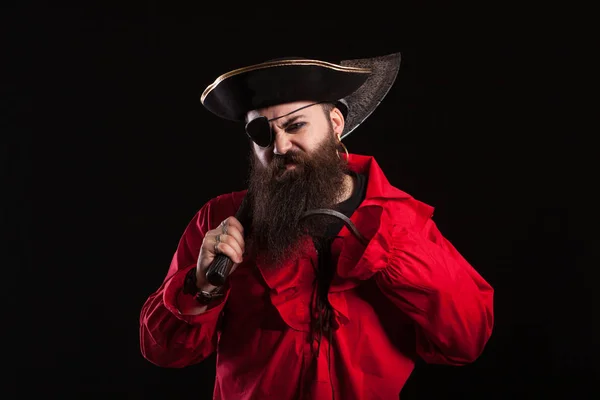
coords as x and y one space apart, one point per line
296 110
259 129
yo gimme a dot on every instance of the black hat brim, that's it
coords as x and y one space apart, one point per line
233 94
359 84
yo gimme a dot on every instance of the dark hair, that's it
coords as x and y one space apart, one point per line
327 107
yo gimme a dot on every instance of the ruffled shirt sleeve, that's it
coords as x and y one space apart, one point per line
427 279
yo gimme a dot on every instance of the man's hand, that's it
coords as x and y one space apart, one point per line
227 239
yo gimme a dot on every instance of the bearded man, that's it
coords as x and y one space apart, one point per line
321 280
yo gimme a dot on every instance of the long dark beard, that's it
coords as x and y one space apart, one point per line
279 197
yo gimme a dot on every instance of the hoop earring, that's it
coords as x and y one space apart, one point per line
345 149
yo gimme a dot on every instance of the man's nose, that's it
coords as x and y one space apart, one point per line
281 144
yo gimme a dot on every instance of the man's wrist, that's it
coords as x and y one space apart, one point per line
202 283
203 292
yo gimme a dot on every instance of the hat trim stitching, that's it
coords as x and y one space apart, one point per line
270 64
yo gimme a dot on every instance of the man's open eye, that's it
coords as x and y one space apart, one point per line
295 127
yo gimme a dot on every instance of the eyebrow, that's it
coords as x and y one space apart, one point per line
290 121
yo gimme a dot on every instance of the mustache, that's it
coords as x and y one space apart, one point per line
291 157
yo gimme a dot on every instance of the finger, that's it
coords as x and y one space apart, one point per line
232 222
233 243
232 233
230 249
232 227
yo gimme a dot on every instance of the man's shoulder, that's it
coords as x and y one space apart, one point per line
232 199
408 211
226 202
218 208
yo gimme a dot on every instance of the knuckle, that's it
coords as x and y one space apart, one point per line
232 243
228 239
229 250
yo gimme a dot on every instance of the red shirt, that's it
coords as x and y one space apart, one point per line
409 293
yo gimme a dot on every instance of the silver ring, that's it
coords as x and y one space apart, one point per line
224 227
218 240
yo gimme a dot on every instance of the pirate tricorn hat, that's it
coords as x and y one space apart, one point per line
355 86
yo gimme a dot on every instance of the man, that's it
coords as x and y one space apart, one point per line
338 280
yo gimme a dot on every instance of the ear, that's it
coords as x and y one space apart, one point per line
337 121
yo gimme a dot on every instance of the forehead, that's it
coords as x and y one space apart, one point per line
280 109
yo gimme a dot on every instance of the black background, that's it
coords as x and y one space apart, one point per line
111 154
